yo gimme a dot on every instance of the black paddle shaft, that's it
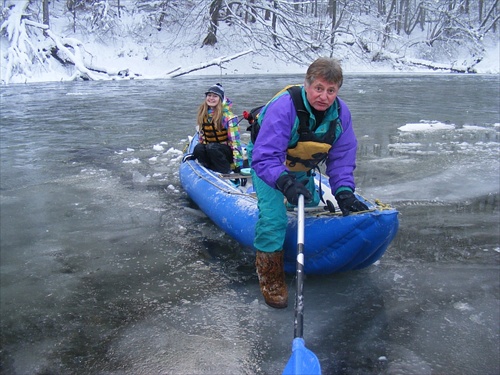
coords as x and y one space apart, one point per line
299 300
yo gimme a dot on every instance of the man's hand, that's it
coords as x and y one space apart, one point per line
349 203
291 189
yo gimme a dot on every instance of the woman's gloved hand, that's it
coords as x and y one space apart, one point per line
349 203
291 189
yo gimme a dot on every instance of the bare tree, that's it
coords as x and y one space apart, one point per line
492 17
388 21
211 38
291 30
250 12
274 25
45 6
332 8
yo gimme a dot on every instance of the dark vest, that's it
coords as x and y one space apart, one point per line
311 149
211 135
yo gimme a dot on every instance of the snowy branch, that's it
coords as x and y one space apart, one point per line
432 65
76 58
219 61
17 53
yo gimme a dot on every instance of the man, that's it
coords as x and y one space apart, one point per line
294 137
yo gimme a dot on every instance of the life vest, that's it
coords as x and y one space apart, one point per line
212 135
311 148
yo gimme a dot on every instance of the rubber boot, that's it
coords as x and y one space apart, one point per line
271 272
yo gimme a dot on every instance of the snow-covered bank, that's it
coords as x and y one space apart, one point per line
151 63
154 63
130 47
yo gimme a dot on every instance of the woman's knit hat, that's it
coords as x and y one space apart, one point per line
217 89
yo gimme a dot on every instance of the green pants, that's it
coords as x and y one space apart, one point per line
270 229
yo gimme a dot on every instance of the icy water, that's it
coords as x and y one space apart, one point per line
108 268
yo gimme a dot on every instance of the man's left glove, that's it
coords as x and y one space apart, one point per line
349 203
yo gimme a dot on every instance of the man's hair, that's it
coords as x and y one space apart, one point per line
325 68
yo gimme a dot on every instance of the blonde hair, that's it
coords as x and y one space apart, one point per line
216 115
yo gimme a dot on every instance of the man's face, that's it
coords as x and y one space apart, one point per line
321 94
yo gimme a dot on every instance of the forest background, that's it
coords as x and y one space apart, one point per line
47 40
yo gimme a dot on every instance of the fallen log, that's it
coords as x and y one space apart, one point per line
435 66
218 61
73 53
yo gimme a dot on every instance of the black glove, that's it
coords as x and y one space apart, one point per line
291 189
349 203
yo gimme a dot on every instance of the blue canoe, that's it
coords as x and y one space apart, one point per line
332 243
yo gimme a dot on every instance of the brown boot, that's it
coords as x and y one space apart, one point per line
271 272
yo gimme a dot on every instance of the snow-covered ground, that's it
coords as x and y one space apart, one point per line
153 63
151 54
156 64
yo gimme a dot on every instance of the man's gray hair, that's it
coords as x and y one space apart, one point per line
325 68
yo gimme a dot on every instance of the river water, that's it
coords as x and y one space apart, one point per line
108 268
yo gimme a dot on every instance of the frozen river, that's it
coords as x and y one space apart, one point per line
108 268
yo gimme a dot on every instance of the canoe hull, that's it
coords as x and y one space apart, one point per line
332 243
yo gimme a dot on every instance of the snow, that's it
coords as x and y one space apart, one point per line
491 62
430 126
158 65
426 126
167 56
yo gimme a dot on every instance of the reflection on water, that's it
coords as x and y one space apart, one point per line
108 268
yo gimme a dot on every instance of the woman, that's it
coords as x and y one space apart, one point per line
219 145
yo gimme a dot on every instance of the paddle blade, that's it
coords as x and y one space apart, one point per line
302 361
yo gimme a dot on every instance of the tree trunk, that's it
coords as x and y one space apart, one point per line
387 31
250 12
45 6
422 18
381 7
211 38
332 4
267 14
274 22
416 20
